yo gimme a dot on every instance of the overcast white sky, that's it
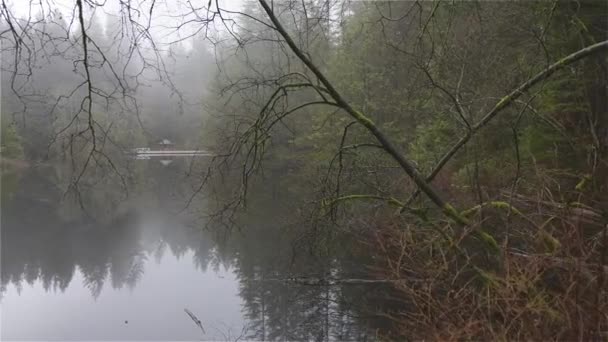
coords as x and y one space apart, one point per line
167 13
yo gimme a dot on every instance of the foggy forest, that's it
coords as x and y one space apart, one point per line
304 170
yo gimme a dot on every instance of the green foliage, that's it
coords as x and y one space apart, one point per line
565 95
550 243
545 143
420 72
431 141
583 184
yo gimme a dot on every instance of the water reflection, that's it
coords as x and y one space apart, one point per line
128 276
39 244
130 272
154 310
276 253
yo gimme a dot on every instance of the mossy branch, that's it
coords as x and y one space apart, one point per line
390 200
407 166
493 204
508 100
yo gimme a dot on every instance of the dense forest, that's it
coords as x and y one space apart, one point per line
464 142
454 151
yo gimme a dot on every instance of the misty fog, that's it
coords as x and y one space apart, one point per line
327 170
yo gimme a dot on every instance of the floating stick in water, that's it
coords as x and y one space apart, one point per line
196 320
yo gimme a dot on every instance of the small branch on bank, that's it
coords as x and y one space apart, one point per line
389 200
312 281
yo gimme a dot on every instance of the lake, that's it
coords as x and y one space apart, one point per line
114 267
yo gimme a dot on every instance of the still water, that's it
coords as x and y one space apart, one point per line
133 267
153 310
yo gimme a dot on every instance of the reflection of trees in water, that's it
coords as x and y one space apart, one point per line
40 243
279 309
266 256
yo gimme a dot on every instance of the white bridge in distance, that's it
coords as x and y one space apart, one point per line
146 153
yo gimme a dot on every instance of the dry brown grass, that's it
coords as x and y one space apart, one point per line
548 282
